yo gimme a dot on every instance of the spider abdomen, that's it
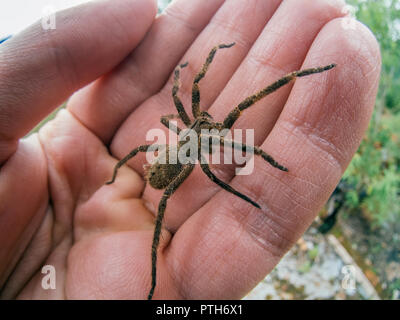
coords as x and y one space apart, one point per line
164 169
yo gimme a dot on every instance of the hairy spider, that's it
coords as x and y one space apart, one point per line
169 176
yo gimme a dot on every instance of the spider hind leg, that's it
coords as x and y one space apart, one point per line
172 187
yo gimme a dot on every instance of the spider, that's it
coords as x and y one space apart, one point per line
168 175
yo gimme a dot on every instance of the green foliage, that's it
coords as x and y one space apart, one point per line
313 253
305 267
383 18
374 172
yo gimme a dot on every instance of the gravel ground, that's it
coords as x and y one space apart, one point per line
315 268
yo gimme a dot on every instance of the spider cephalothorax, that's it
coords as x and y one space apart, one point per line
168 175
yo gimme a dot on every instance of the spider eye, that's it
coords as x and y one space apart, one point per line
206 114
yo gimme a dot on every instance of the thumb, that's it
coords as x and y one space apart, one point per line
39 69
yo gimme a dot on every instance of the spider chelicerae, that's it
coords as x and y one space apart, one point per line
170 175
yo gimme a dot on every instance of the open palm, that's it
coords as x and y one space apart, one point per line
55 208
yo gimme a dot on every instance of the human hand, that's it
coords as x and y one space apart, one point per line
55 209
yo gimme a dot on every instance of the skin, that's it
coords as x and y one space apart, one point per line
55 208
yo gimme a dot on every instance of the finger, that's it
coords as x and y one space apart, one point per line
22 206
40 68
227 247
103 105
281 48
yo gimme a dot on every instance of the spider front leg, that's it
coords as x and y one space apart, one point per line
134 152
177 101
248 102
200 75
166 121
186 170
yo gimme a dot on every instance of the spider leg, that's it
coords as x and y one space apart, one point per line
177 101
134 152
256 150
235 113
187 169
165 120
200 75
206 169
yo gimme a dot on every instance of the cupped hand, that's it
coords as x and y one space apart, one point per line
55 208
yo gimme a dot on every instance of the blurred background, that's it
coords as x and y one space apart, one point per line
352 250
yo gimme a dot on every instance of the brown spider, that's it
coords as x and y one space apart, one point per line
169 176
